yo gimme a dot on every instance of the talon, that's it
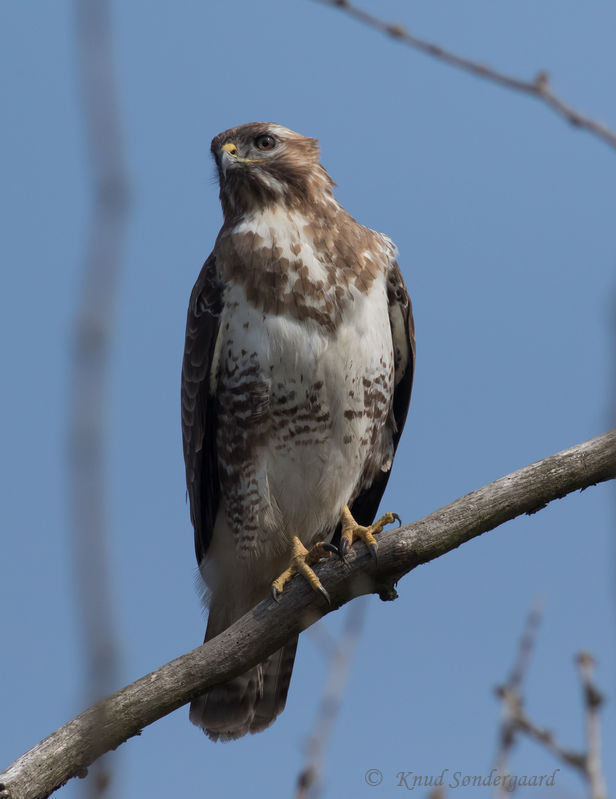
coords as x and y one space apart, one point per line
324 593
301 561
351 531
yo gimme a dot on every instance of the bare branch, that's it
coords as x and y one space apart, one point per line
309 780
91 341
520 721
538 88
510 691
70 750
588 764
526 646
592 702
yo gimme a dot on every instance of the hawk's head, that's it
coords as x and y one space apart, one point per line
261 164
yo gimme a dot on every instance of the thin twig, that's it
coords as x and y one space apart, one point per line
510 691
91 341
538 88
309 780
541 734
592 702
68 751
588 764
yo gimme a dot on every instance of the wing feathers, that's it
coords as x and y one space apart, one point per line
199 405
366 504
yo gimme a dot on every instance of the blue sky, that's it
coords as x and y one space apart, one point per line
504 217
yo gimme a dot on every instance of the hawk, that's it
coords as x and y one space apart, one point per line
296 381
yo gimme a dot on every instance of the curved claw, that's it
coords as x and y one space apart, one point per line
397 519
343 548
374 551
331 548
324 593
275 595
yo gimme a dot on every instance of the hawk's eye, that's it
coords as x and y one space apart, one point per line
265 142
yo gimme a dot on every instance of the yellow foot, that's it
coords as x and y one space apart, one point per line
351 531
301 561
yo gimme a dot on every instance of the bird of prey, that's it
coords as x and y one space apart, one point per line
296 381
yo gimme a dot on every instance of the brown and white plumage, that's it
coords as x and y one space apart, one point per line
296 382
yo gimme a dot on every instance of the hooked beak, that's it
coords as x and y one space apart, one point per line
230 157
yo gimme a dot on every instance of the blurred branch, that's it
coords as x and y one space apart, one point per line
538 88
512 688
92 334
587 764
592 702
520 722
309 780
70 750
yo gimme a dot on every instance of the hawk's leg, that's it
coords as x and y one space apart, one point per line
301 561
351 531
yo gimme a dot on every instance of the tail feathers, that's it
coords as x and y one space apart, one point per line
248 703
276 672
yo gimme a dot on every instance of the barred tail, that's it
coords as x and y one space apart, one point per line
248 703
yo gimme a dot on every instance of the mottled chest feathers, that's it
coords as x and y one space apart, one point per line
310 268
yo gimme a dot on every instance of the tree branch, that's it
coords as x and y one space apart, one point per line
310 778
510 693
70 750
538 88
588 764
592 702
91 345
